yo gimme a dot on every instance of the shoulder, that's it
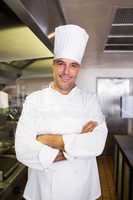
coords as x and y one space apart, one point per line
87 96
36 97
93 106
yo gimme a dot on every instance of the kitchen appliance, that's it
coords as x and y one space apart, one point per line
7 166
5 146
110 92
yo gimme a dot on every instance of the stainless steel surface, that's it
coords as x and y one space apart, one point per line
96 17
38 16
121 33
5 146
109 92
18 42
11 179
13 175
14 47
1 175
27 14
8 165
24 35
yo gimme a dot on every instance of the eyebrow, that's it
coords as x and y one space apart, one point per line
60 60
75 63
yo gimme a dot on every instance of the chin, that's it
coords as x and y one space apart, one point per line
67 88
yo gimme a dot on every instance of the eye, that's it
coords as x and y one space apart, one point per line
75 65
59 62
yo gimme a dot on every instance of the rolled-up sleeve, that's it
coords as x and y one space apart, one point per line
28 150
91 143
86 144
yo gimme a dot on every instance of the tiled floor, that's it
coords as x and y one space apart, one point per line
105 164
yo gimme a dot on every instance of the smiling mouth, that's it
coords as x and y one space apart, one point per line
65 78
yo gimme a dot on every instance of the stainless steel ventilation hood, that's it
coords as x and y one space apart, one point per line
24 30
41 17
120 38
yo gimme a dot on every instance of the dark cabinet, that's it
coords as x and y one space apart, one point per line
123 167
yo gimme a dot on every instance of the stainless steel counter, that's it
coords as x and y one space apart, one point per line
13 177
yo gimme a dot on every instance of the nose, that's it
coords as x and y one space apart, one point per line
66 69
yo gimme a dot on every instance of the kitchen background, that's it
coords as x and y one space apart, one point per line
26 46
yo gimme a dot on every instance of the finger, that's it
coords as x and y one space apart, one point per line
87 124
59 158
90 124
89 129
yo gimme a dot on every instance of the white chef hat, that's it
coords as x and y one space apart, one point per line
70 42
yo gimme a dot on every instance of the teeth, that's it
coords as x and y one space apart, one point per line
65 78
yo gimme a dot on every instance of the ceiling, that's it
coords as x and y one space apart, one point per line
97 17
120 38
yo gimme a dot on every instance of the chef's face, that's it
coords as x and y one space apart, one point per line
65 72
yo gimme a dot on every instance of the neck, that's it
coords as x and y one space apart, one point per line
64 92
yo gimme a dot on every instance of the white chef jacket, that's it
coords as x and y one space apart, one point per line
48 111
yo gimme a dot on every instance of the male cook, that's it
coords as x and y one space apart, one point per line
61 129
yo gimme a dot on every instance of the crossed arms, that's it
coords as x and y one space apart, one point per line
39 152
56 140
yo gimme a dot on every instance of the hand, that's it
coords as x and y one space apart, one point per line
89 127
60 157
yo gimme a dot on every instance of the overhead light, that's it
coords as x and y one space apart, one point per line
51 35
122 24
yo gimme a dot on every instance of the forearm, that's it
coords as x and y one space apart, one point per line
53 140
29 151
86 144
56 141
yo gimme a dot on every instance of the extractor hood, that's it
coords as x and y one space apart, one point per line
120 38
41 17
24 30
